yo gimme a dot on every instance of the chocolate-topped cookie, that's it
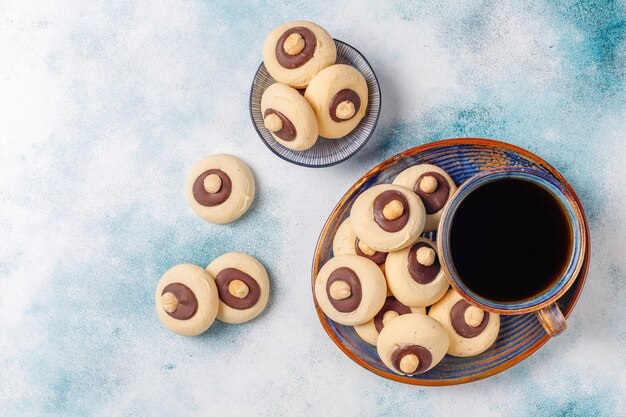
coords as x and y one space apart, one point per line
186 299
220 188
412 344
339 97
350 289
392 308
242 284
414 274
346 242
295 52
289 117
387 217
471 330
434 187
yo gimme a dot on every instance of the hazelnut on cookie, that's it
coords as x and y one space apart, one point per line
433 185
186 299
412 344
220 188
387 217
242 284
339 97
350 289
288 117
295 52
470 329
414 274
346 242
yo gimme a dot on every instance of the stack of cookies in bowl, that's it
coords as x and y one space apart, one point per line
313 96
385 278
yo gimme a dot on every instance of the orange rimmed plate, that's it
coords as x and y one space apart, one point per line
520 335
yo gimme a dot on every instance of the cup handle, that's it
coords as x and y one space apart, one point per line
552 320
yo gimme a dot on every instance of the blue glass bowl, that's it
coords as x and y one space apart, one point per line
520 335
325 152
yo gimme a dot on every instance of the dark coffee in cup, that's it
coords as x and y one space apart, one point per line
510 239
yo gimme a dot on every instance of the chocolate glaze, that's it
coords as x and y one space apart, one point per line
225 277
187 301
420 273
344 95
457 318
288 131
423 354
378 257
295 61
390 304
212 199
351 303
381 201
433 202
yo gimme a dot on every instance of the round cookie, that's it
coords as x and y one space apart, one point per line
186 299
350 289
243 287
338 95
345 242
387 217
294 52
433 185
412 344
220 188
289 117
414 274
392 309
471 330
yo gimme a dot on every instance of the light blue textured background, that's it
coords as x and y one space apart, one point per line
105 105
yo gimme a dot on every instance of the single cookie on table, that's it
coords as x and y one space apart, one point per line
220 188
433 185
414 274
471 330
392 309
412 344
345 242
387 217
338 95
289 117
294 52
186 299
350 289
243 287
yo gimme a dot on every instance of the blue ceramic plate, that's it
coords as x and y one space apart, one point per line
519 335
325 152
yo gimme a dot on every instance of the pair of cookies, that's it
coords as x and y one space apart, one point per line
301 55
234 288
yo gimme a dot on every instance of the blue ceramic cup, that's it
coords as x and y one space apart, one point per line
542 304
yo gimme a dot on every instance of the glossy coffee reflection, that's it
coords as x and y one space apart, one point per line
510 240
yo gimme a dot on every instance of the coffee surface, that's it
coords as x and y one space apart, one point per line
510 240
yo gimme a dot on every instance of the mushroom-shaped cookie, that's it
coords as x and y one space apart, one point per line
338 96
186 299
412 344
294 52
220 188
471 330
387 217
345 242
414 274
288 117
350 289
433 185
243 287
391 309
